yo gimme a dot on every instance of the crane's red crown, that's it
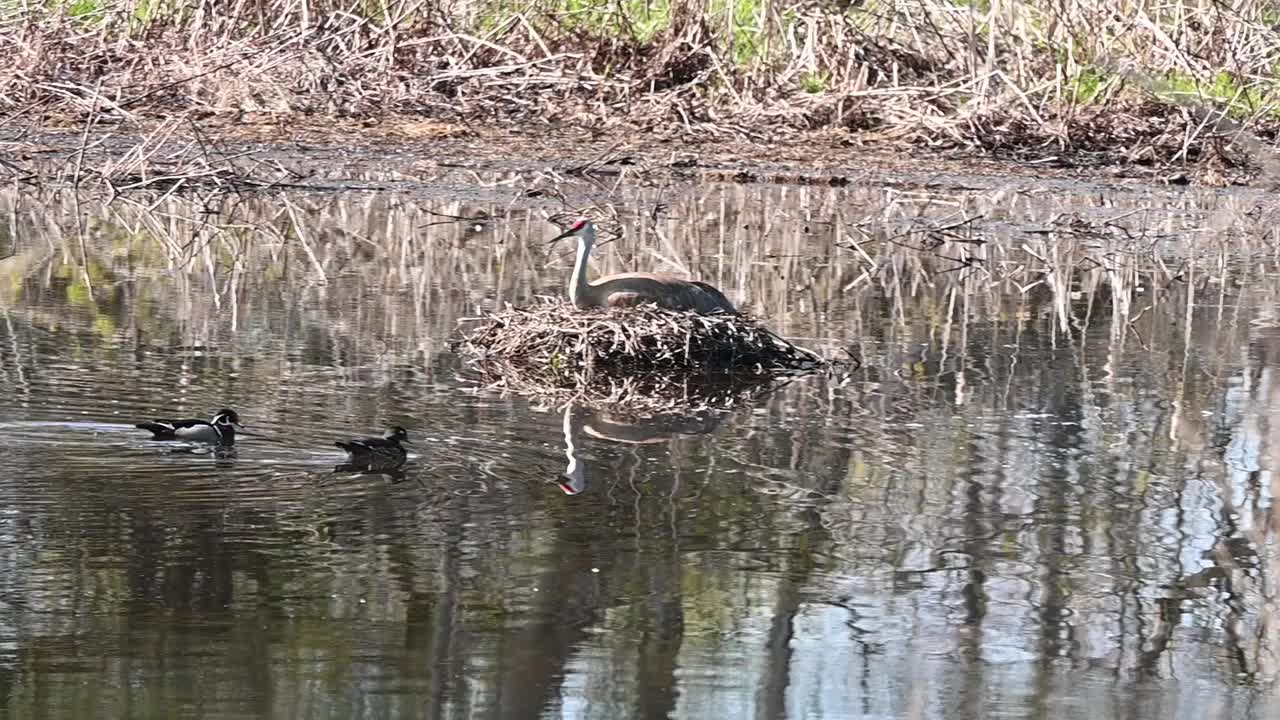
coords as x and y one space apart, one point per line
578 225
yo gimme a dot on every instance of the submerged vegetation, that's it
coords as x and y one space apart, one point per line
1055 82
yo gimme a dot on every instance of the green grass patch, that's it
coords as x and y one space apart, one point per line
744 28
638 20
738 25
85 14
1242 101
815 83
1085 87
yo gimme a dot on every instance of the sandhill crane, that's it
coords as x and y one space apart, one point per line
629 289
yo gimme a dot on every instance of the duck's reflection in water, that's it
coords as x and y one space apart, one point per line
628 430
391 469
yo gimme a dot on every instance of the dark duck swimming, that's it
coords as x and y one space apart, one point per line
384 451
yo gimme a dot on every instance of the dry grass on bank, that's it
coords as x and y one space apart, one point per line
1032 79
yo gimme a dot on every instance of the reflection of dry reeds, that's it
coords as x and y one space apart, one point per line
811 262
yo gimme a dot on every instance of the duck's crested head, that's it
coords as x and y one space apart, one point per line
226 417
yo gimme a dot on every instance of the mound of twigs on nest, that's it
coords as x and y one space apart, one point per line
640 357
561 340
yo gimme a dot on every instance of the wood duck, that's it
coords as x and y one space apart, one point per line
384 451
221 430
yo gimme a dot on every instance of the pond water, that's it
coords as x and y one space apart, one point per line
1050 491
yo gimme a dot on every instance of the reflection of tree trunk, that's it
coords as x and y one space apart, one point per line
1156 641
771 698
1056 507
429 626
202 588
431 621
658 651
1269 461
659 648
7 675
974 593
531 660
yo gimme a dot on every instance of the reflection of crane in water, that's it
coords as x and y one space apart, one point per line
641 432
627 289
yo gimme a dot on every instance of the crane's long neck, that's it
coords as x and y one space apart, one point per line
579 288
574 471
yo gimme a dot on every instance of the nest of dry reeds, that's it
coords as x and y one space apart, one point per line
642 356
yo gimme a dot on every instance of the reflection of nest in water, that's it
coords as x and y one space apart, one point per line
643 357
646 392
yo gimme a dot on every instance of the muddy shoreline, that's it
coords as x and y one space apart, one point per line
415 155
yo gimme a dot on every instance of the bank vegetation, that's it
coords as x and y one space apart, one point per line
1049 81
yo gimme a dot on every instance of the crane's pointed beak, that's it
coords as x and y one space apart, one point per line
561 236
572 486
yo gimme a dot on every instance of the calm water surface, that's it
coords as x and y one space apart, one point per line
1050 491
